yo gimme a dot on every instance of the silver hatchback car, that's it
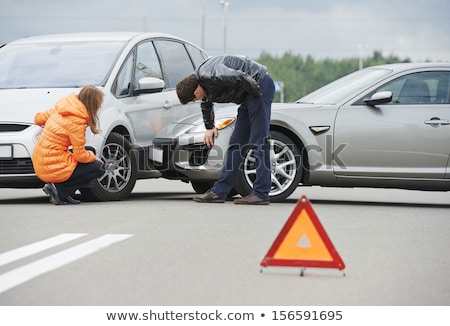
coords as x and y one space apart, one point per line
137 72
385 126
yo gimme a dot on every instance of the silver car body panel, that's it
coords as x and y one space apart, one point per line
354 145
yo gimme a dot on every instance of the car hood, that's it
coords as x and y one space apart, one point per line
300 106
21 105
226 111
229 111
280 112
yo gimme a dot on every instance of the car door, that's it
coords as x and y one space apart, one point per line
149 113
177 63
406 138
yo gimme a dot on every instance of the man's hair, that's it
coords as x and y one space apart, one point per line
186 88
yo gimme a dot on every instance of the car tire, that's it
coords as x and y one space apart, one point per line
120 171
286 166
201 187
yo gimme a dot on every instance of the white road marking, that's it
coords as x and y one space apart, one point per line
25 273
31 249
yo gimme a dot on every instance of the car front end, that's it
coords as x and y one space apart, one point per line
19 134
179 151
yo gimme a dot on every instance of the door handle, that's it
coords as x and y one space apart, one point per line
436 122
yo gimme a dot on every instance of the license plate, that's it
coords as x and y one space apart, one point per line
6 152
155 154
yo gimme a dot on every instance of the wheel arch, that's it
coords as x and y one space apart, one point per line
120 129
123 180
299 143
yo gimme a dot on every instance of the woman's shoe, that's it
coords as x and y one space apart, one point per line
71 200
50 189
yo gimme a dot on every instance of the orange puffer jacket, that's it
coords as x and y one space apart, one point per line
64 126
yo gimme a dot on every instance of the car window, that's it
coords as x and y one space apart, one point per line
431 87
175 61
147 63
121 86
197 55
344 87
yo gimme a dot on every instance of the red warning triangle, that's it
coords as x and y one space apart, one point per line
303 242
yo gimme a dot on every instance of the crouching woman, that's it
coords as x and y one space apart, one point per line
60 157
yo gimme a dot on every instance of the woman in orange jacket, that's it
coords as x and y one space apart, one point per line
60 157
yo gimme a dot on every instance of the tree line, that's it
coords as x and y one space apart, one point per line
301 76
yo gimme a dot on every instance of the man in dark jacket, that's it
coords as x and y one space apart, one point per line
235 79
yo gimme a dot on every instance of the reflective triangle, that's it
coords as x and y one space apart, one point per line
303 242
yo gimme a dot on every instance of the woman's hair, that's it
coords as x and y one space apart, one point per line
92 98
186 88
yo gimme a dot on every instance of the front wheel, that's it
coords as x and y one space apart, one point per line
285 165
201 187
120 171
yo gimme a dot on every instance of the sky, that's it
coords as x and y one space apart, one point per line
418 30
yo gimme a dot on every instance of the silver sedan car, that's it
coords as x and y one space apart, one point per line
385 126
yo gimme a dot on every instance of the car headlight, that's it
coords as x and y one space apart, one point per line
220 124
223 123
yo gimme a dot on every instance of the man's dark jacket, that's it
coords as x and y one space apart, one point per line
227 79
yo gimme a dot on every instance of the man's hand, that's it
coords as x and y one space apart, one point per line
209 136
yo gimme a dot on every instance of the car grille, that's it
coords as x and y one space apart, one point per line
19 165
12 127
199 154
16 166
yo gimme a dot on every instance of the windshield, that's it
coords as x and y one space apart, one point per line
340 89
56 65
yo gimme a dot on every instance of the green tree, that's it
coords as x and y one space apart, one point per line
303 75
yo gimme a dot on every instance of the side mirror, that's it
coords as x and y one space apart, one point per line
379 98
150 85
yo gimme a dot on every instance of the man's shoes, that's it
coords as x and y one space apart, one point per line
209 197
251 200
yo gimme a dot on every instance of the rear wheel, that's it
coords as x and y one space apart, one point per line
120 171
286 167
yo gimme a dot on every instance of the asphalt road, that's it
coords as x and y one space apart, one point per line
161 248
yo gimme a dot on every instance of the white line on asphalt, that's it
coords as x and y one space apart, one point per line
31 249
25 273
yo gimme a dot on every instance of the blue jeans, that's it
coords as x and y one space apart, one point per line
251 132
